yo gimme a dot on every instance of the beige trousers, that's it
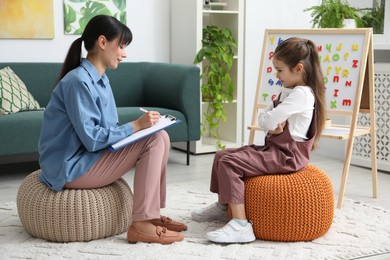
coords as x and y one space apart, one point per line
149 156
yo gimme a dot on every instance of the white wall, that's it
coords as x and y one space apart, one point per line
148 20
261 15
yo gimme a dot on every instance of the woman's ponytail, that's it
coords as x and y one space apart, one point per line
73 58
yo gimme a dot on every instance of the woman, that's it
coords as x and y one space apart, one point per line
81 122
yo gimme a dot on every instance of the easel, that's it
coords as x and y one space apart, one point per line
363 99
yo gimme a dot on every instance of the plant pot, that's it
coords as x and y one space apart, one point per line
349 24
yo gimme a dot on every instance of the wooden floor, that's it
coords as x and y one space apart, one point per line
359 185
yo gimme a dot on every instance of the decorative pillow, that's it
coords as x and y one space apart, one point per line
14 96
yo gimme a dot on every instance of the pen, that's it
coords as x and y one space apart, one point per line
146 111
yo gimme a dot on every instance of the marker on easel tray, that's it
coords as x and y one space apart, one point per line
143 110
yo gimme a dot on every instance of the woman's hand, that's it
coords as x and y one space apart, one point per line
148 119
278 130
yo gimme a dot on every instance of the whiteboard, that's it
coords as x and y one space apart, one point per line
343 58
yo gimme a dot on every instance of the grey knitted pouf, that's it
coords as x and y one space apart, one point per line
74 215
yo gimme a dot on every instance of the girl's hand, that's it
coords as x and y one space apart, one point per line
278 130
148 119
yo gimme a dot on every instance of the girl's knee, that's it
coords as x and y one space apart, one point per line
219 155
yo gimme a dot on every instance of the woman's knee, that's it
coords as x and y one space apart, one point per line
159 141
165 137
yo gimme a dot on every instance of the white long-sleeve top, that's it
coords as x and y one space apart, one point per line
296 107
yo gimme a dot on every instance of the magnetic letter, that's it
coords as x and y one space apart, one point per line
265 95
348 83
328 70
327 58
355 63
336 79
270 82
339 47
336 57
269 69
345 73
271 55
333 104
319 48
278 83
272 39
328 46
347 102
273 97
338 68
346 56
355 47
336 93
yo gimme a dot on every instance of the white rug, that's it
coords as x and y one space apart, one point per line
358 230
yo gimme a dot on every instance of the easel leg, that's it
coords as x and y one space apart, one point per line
343 184
371 83
374 169
251 136
344 176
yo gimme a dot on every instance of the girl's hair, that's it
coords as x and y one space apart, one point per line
105 25
297 50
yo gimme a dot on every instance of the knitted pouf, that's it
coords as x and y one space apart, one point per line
74 215
290 207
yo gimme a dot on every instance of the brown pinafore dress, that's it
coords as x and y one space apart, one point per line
280 154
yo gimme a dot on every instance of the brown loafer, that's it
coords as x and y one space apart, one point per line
169 224
164 236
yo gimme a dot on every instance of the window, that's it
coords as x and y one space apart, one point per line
376 14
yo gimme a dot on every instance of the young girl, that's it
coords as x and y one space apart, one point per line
81 122
293 123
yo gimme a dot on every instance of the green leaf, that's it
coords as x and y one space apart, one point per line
120 4
123 17
69 15
91 10
69 18
199 56
97 8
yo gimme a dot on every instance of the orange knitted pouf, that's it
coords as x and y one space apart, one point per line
290 207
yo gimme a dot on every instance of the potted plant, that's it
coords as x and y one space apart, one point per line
216 56
374 17
332 13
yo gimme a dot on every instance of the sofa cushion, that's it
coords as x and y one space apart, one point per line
14 96
19 132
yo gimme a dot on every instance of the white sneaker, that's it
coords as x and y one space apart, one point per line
210 213
232 232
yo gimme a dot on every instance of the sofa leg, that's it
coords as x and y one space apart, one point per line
188 152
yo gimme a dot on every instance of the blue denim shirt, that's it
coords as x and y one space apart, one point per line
79 123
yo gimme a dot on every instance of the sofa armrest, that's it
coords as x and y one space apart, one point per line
177 87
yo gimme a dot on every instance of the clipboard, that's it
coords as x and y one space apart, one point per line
164 122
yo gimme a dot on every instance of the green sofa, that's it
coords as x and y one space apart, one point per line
168 88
